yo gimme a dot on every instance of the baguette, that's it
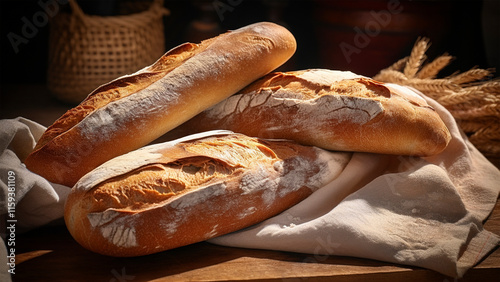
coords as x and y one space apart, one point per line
134 110
333 110
172 194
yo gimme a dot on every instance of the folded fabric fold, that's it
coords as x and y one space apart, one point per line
37 201
424 212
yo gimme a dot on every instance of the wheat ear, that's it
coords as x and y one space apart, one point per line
416 58
431 69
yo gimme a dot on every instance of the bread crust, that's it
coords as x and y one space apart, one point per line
134 110
172 194
333 110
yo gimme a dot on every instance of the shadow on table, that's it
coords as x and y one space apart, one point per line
50 254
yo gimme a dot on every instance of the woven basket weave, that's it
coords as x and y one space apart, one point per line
86 51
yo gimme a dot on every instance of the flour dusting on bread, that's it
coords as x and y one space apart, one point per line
333 110
194 189
324 77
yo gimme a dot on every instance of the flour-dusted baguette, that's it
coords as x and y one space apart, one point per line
134 110
176 193
333 110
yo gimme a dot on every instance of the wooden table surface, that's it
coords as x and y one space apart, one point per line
50 253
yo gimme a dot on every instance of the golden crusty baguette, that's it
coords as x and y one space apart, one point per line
171 194
134 110
333 110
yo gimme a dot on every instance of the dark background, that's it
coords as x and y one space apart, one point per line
464 29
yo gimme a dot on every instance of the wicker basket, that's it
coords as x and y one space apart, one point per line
86 51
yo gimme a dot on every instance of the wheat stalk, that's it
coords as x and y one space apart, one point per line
472 100
431 69
489 132
490 148
390 75
470 126
470 76
492 87
483 111
399 65
467 96
416 58
484 134
434 85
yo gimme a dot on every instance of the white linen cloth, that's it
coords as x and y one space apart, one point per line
425 212
38 201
